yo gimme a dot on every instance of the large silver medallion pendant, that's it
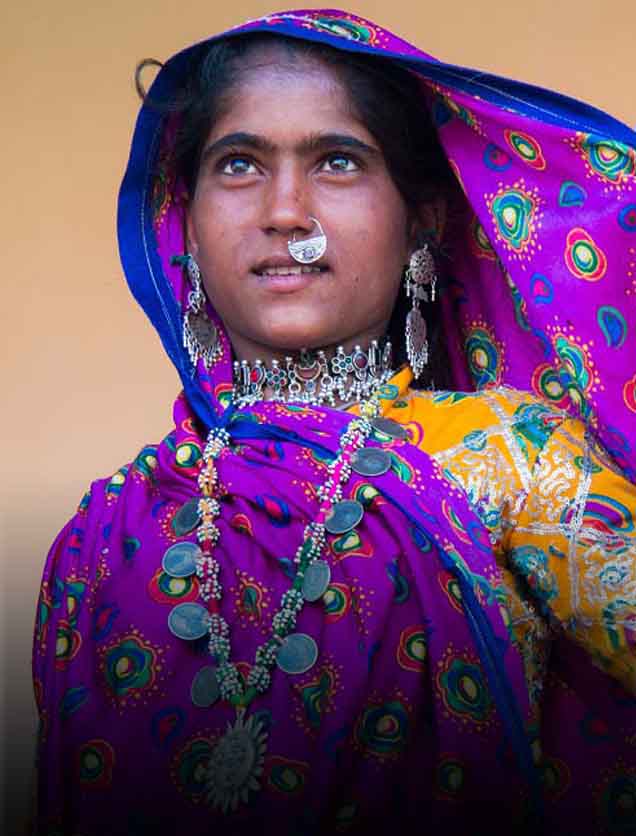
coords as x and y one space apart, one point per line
236 764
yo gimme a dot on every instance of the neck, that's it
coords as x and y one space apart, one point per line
246 348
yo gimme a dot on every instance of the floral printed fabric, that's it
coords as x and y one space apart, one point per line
397 719
474 615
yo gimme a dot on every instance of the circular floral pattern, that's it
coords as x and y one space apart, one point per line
146 462
513 211
547 384
484 357
527 148
130 668
382 729
337 601
187 455
608 159
464 691
95 762
189 769
412 649
450 778
165 589
67 644
584 258
286 776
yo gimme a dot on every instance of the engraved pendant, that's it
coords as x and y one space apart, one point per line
200 337
416 342
236 764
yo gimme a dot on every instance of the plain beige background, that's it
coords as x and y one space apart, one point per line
86 381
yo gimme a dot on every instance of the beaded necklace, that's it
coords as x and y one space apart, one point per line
236 763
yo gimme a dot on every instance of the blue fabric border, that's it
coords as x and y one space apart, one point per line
527 99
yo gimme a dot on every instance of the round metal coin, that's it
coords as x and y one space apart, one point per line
370 461
344 516
187 518
180 560
297 654
188 621
316 580
389 427
205 687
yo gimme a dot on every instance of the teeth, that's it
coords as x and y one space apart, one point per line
289 271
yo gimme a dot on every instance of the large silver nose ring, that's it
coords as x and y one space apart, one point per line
308 250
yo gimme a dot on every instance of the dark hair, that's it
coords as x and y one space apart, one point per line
388 100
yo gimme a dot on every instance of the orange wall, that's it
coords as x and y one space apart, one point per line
86 378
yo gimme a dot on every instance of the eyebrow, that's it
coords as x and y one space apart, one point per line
312 143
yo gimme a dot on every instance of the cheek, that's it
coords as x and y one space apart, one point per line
209 222
380 221
218 247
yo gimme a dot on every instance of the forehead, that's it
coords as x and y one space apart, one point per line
278 88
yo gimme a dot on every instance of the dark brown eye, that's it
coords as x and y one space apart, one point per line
237 165
340 163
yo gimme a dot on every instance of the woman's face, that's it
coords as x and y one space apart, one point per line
287 146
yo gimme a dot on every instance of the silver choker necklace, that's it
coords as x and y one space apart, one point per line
313 378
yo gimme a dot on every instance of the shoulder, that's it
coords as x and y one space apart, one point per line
100 506
81 557
473 419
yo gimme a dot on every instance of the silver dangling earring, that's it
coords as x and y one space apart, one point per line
310 249
200 337
419 274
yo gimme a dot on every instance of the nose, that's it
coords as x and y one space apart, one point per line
286 206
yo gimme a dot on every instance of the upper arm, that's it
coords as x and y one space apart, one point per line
574 545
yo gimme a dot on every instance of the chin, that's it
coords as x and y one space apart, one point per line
289 337
292 344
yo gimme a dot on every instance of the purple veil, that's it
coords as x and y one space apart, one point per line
542 281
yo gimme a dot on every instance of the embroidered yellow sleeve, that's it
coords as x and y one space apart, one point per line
574 544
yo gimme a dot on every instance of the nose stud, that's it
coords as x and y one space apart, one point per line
308 250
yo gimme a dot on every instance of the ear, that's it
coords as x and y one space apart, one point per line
429 221
191 238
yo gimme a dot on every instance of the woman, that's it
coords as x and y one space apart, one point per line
330 599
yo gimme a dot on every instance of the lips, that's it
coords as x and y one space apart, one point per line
290 271
285 267
280 274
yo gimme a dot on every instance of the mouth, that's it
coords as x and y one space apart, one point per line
288 276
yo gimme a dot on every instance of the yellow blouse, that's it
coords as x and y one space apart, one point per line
560 516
